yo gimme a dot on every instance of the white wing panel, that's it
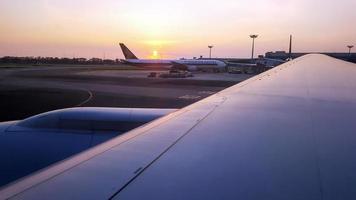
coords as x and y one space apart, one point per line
100 172
288 133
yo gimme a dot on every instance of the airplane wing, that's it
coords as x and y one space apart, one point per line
288 133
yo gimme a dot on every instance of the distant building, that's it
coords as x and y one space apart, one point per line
285 55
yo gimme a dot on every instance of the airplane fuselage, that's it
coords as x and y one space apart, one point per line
182 64
191 64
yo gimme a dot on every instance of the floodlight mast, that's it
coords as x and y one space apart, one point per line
210 47
350 47
253 44
290 47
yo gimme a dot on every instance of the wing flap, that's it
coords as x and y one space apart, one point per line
123 158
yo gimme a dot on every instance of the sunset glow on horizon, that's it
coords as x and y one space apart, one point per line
173 29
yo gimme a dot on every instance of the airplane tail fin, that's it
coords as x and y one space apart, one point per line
127 53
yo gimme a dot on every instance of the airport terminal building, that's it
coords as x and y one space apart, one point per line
285 55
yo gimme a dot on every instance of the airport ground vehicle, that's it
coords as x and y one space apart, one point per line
176 74
152 75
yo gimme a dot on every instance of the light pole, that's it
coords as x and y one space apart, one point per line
350 47
290 48
210 47
253 44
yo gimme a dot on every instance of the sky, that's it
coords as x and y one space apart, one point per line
173 28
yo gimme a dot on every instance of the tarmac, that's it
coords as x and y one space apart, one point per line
30 90
197 75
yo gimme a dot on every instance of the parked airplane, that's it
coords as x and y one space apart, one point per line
269 62
288 133
183 64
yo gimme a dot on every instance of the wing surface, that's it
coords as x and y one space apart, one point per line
289 133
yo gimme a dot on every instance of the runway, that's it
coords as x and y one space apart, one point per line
29 90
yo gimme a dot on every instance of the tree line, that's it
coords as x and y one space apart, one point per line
56 60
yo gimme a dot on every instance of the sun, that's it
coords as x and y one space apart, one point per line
155 54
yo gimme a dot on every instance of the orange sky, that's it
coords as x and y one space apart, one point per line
174 29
